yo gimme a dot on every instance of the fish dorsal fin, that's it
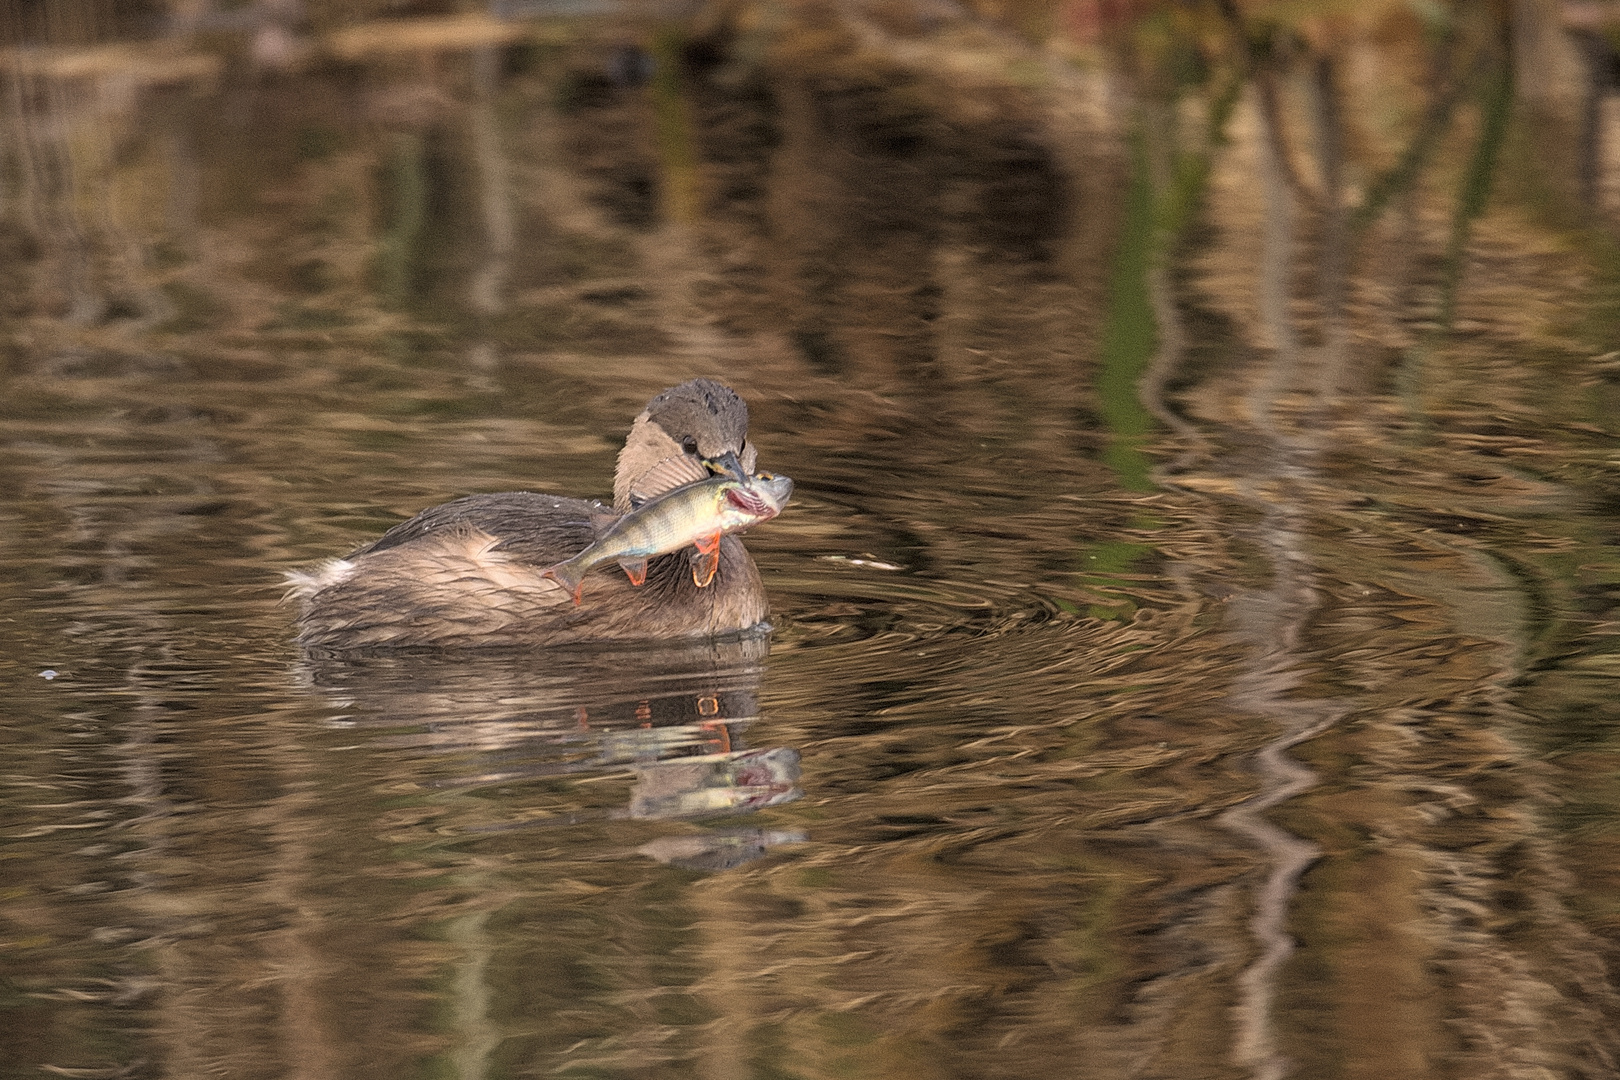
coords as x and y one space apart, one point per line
667 475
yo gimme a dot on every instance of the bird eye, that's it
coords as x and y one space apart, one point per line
689 445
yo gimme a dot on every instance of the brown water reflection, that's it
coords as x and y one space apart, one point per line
1195 626
673 716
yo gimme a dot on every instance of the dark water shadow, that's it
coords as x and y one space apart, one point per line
674 716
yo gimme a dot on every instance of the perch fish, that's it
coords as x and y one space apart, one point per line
695 515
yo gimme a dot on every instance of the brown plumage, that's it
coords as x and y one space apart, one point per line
468 572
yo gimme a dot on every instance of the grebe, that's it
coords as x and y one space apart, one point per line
468 572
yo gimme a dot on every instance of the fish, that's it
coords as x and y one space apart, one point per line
695 515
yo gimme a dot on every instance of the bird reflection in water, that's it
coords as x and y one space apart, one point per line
672 716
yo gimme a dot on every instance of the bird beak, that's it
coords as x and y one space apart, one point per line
727 463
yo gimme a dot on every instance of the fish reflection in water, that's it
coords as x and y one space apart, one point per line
671 716
721 849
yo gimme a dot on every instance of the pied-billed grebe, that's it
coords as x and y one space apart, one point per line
469 572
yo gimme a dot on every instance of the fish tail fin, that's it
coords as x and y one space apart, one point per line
635 570
568 575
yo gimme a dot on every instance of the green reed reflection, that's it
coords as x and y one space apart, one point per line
1128 336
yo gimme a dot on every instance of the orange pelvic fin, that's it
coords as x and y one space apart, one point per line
704 565
562 576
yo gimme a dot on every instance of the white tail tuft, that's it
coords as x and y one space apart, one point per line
304 584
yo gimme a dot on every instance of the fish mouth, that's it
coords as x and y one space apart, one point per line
750 503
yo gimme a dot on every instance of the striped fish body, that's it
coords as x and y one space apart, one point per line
696 515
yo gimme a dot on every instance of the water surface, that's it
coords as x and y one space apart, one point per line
1194 644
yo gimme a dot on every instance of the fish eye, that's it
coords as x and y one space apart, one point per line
763 475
